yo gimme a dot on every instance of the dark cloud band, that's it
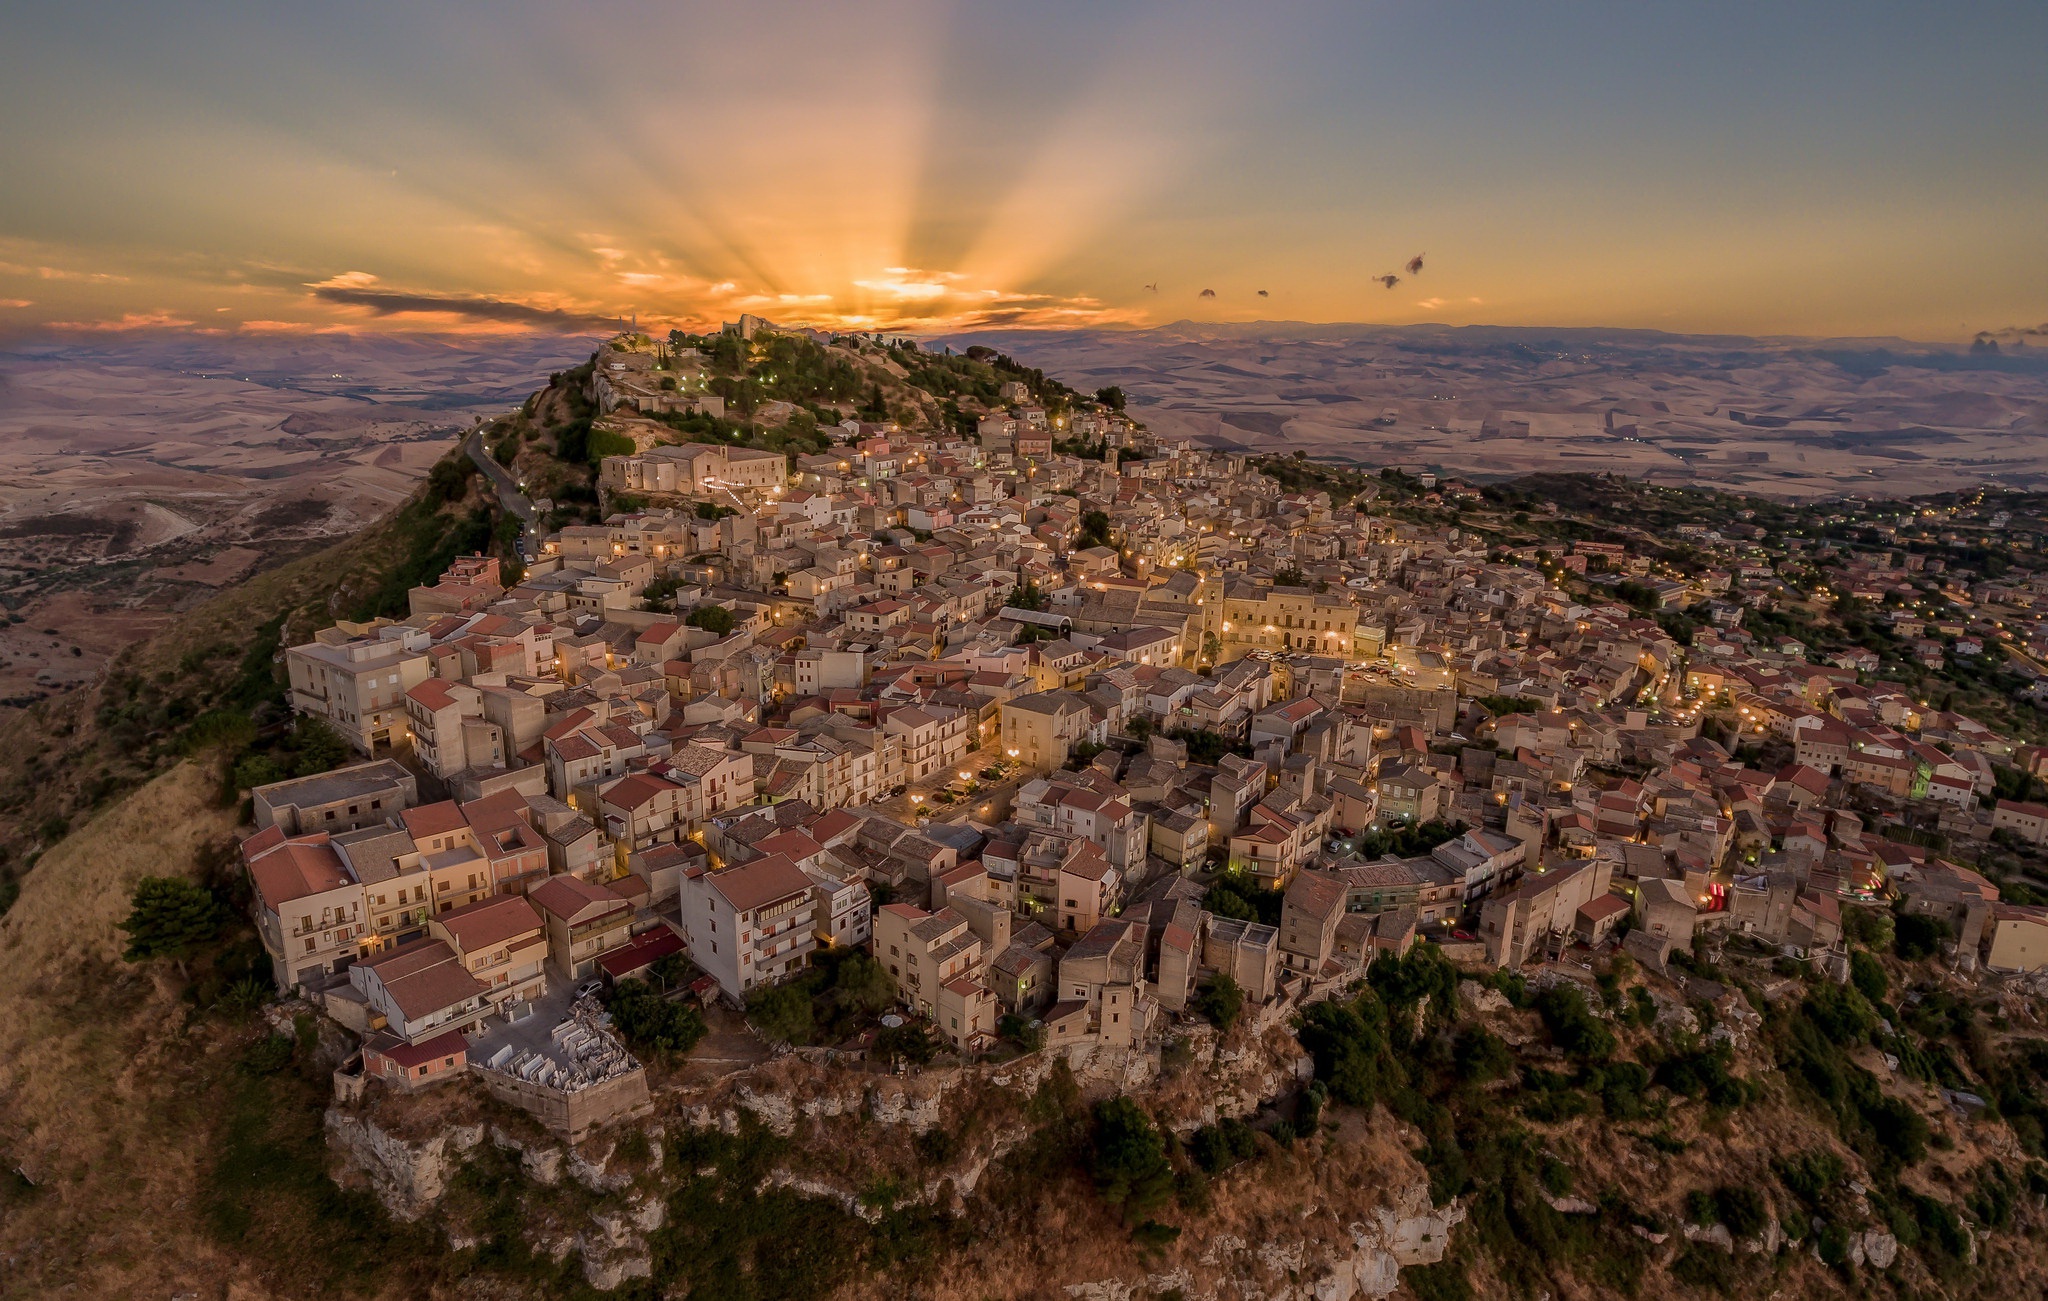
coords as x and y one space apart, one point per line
391 302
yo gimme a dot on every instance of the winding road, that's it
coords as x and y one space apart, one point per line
509 495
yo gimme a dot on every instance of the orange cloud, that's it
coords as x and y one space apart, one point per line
158 320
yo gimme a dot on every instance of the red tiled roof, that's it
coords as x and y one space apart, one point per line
433 693
1607 905
434 819
568 897
296 869
481 925
408 1056
640 953
637 791
759 883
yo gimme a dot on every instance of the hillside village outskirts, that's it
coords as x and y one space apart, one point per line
1002 715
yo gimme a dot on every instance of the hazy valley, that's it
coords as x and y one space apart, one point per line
141 472
1797 418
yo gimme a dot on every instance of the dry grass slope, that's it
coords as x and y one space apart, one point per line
94 1056
72 754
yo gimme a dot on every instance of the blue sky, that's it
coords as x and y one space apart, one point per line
1834 169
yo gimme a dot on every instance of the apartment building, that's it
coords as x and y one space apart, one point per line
419 991
457 871
1518 925
1089 889
1041 730
933 738
1310 913
514 848
309 909
844 917
397 892
642 811
939 964
502 942
1279 837
584 922
449 730
358 684
2016 940
750 925
1102 989
2026 820
1104 818
357 795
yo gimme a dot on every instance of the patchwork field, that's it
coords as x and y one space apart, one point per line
1797 418
138 473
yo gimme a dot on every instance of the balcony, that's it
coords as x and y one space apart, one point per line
786 947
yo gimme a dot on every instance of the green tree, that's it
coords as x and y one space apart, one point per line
1743 1209
863 986
254 770
1869 926
1027 597
222 729
659 595
1129 1160
652 1024
1217 1147
711 618
782 1012
1867 974
1572 1025
449 478
911 1042
169 917
1020 1031
1352 1049
1111 397
1481 1055
1916 935
1221 999
1235 896
1095 527
603 442
316 746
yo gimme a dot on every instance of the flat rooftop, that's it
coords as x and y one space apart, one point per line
352 782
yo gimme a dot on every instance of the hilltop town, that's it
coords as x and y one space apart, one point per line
827 698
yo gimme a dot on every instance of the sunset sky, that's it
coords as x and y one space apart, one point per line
1863 168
